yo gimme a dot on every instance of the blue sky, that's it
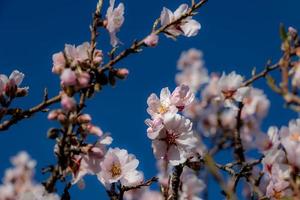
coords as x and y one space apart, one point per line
235 35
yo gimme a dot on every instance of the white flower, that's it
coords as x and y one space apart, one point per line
269 141
182 97
118 165
191 185
190 59
115 19
187 27
175 140
290 139
157 107
296 75
255 103
90 163
10 85
231 90
77 55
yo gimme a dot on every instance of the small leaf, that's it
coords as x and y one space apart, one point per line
282 32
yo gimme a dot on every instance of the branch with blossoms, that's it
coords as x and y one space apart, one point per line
207 114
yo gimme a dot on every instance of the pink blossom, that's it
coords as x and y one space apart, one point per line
187 27
151 40
68 77
10 85
278 189
290 139
255 103
191 185
95 130
77 55
83 79
182 97
269 141
98 57
68 103
153 127
122 73
115 19
174 140
158 107
191 58
231 90
59 63
90 163
296 75
18 183
118 165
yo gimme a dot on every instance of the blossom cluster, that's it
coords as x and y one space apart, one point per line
10 87
219 99
281 149
18 182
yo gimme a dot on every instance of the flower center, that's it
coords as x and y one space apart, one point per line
295 137
115 170
171 137
162 109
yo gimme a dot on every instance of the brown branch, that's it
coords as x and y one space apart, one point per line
238 147
28 113
138 44
144 184
261 74
175 182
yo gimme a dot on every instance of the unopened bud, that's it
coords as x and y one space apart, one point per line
151 40
122 73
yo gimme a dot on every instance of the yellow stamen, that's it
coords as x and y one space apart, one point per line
115 170
295 137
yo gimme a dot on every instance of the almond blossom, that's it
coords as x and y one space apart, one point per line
290 139
255 103
182 97
115 19
68 103
18 183
117 166
175 140
75 56
191 58
151 40
187 27
193 73
9 86
89 163
158 107
191 185
231 90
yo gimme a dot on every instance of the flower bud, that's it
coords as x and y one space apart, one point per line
122 73
68 103
95 130
83 79
85 118
151 40
68 77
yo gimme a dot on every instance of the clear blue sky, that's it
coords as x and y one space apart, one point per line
235 35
